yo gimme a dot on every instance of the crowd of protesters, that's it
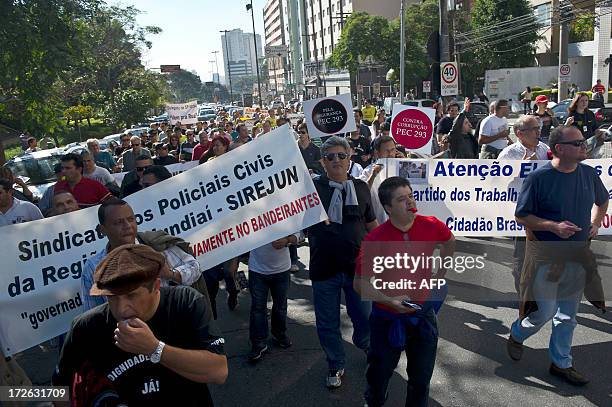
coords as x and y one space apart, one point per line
146 294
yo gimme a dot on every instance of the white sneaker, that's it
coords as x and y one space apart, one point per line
334 378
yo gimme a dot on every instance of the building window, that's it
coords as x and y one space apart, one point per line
543 13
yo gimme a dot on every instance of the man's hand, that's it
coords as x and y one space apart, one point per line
134 336
593 231
166 273
396 304
569 121
566 229
377 169
280 243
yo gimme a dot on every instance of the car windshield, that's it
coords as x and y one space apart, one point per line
36 171
206 111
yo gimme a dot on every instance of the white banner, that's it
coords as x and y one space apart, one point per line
174 169
251 196
329 116
477 197
186 113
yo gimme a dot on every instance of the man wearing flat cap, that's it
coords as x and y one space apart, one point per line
148 345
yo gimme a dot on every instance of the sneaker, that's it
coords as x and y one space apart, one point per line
242 280
232 301
570 375
515 349
257 352
294 268
283 341
334 378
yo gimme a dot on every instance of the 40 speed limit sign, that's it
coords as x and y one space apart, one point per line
449 78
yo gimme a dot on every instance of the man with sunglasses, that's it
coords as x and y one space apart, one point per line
563 204
128 158
310 153
125 144
334 247
131 181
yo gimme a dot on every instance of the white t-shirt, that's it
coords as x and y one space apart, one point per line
20 212
268 260
517 150
492 125
355 170
101 175
379 211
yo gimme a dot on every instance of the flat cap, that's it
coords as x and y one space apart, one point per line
125 269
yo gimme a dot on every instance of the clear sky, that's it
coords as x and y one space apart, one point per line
191 30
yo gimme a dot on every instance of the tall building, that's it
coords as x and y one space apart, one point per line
239 50
275 36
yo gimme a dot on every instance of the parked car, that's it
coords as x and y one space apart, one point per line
206 114
36 169
390 101
479 111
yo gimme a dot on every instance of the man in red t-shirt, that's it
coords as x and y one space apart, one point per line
87 192
598 90
403 318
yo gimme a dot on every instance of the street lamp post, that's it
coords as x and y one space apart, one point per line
229 72
250 7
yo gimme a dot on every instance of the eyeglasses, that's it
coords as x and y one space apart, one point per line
333 156
575 143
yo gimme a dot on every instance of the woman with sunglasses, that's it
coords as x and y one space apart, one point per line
581 117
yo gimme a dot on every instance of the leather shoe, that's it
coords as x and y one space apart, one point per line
570 375
515 349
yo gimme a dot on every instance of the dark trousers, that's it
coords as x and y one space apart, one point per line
382 360
212 277
259 286
293 253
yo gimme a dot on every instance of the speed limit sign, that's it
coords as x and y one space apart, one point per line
449 78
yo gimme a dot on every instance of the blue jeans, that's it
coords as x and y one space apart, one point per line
557 300
420 351
326 297
259 286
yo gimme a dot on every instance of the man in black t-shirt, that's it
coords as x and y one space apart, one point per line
362 147
146 346
334 246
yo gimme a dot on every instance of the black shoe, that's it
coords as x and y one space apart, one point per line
257 352
569 374
232 301
283 341
515 349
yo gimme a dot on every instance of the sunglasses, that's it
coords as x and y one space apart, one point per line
141 168
135 145
333 156
575 143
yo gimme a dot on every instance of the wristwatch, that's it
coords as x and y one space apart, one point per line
155 357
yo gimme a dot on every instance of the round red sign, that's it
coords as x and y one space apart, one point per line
412 128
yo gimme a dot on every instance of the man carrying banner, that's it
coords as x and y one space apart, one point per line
149 345
562 204
384 147
334 246
402 319
118 223
13 210
63 202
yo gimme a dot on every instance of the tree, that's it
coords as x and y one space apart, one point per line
582 28
184 86
487 45
363 35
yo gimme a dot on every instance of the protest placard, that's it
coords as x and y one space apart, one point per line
329 116
258 193
413 127
186 113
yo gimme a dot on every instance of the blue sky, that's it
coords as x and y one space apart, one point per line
191 30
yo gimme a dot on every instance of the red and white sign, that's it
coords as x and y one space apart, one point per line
449 78
564 72
413 127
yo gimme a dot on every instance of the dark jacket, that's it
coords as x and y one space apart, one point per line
462 145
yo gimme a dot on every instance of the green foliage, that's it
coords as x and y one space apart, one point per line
128 106
184 86
78 113
582 28
363 35
492 48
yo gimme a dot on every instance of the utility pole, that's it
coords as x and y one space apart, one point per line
402 53
216 65
443 39
565 12
323 46
229 72
316 51
250 7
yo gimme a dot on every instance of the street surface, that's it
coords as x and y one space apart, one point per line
472 367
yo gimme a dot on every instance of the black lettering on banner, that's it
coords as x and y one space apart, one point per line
329 116
38 317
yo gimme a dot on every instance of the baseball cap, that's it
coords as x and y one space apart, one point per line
125 269
541 99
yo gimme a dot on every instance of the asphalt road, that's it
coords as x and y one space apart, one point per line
472 367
